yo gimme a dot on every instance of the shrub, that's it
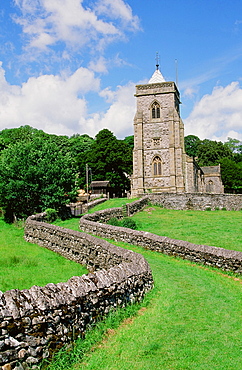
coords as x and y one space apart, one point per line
129 222
51 214
114 221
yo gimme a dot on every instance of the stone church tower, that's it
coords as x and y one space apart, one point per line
159 159
160 163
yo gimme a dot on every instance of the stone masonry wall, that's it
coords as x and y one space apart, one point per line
218 257
36 322
197 201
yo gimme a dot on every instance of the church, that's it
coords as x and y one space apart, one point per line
160 163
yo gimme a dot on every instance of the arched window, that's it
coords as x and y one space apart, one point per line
156 164
155 110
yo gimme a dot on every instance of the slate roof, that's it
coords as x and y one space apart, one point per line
99 184
210 169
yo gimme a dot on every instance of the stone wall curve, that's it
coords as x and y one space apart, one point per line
227 260
36 322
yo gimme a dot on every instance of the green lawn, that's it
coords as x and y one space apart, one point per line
112 203
218 228
24 264
192 318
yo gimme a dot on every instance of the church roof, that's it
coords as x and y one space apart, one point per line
99 184
156 77
210 169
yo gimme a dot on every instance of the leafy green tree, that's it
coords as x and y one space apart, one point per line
23 133
236 147
2 144
130 141
233 144
27 133
231 173
80 143
109 159
191 145
211 152
35 175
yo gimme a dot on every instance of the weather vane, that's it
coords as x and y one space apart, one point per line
157 60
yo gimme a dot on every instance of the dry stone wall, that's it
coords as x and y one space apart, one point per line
218 257
79 208
36 322
197 201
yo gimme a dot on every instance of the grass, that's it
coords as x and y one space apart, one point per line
191 320
218 228
24 264
65 359
111 203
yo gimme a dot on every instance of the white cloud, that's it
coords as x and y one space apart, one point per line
99 65
218 115
48 102
190 92
119 117
57 104
118 9
48 23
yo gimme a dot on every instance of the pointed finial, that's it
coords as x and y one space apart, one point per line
157 60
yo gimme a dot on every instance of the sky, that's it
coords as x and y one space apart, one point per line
71 66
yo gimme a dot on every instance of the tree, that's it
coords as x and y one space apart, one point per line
191 145
129 140
211 152
2 144
35 175
110 159
231 173
79 144
23 133
236 147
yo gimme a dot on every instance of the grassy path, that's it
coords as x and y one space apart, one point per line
193 322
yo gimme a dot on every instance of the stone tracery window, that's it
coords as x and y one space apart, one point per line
155 110
156 164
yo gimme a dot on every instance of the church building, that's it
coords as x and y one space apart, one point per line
160 163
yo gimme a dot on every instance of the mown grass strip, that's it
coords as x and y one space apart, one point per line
67 358
192 320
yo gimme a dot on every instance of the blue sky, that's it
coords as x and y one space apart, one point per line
71 66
